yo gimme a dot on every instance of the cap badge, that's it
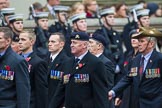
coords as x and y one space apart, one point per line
77 36
151 32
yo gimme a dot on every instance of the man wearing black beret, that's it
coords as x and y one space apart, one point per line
97 45
84 82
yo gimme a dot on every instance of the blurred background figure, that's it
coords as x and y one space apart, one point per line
79 22
7 3
16 24
62 25
3 4
90 8
42 34
49 7
131 25
37 7
155 10
121 9
77 8
143 18
5 12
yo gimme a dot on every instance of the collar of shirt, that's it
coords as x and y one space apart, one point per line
54 56
81 57
2 53
98 55
147 57
26 55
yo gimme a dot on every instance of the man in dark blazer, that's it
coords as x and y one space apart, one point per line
37 70
84 82
145 76
56 59
14 75
97 44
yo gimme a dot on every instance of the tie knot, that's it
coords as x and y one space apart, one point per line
51 59
143 58
77 60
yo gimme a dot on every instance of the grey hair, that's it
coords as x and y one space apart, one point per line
153 39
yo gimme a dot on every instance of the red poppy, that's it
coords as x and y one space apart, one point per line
27 59
7 67
80 65
125 63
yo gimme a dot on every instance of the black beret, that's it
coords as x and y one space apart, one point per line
80 36
99 38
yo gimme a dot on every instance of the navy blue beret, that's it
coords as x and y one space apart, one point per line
80 36
99 38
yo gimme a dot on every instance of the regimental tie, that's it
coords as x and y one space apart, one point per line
76 61
51 59
141 67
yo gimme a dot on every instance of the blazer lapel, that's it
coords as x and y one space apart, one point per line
80 65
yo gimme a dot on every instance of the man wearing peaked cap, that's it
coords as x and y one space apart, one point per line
146 72
143 18
16 25
42 34
79 22
62 25
6 12
84 76
113 50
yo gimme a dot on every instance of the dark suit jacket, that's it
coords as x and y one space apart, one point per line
14 81
38 81
56 65
148 89
110 68
83 85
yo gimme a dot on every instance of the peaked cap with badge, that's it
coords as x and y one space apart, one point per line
148 32
61 8
107 11
77 17
8 11
80 36
16 17
142 12
136 7
40 15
